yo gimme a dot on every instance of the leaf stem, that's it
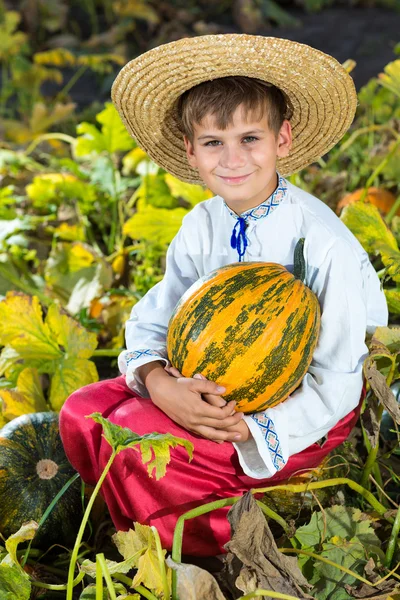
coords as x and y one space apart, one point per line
161 562
340 567
85 518
106 573
392 540
269 594
140 589
63 586
99 580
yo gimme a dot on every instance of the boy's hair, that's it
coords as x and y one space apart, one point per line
220 97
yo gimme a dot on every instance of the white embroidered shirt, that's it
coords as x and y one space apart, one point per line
338 271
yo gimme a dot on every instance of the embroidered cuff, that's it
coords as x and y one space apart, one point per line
130 360
269 433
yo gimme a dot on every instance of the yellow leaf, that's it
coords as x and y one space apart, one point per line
141 541
364 220
72 233
189 192
137 9
60 57
26 398
70 335
132 159
22 327
70 375
155 224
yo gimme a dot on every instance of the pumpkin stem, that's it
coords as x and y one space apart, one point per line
299 270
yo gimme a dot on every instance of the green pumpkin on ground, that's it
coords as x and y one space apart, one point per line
33 469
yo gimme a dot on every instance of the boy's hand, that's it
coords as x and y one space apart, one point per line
181 399
215 400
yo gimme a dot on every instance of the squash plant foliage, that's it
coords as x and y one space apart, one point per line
85 221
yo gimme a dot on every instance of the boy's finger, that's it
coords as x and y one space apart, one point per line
203 386
214 400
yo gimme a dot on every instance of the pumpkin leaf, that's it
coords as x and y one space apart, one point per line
76 274
389 336
329 581
390 79
26 532
89 567
365 222
89 593
69 375
58 346
157 225
113 136
27 398
189 192
157 444
14 583
343 521
22 327
392 296
155 192
140 542
391 260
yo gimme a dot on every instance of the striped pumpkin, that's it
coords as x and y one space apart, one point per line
252 327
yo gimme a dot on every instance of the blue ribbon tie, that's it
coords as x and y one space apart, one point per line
239 241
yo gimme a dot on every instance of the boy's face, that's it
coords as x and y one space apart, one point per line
238 163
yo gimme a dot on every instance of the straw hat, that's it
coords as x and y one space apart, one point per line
319 90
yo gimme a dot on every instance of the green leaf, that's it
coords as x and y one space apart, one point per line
89 593
365 222
76 274
158 444
14 583
69 375
328 580
342 521
113 136
391 260
154 224
155 192
189 192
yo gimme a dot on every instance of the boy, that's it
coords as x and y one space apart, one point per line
228 111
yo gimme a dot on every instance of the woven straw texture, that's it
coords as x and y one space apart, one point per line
321 93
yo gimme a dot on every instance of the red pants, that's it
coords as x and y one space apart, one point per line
131 495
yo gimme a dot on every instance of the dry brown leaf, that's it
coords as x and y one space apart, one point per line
195 583
370 421
381 390
256 558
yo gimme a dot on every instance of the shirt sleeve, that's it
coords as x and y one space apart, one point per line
352 302
146 329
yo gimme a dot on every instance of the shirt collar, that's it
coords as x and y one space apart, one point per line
267 207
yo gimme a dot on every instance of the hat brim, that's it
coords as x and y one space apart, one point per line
321 93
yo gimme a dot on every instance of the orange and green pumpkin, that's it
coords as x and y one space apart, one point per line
33 469
250 326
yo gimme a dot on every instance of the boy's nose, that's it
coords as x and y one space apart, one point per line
232 158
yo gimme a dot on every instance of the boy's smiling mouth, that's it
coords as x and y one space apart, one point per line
239 179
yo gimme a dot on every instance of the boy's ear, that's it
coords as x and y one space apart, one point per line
284 141
190 152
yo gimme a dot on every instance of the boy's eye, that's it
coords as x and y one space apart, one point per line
250 138
212 143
